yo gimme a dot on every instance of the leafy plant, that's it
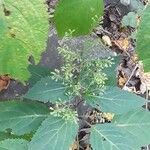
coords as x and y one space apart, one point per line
80 16
81 93
65 89
143 38
23 29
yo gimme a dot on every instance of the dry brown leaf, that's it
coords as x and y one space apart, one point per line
109 116
88 147
121 81
74 146
4 82
134 58
145 80
106 40
123 44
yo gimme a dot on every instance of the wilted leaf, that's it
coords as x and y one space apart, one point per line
4 82
123 44
106 40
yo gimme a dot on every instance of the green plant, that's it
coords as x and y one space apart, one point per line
143 38
80 16
56 104
66 88
23 29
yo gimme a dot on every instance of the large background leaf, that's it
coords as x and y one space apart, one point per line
77 15
14 144
23 30
136 125
143 39
110 137
21 117
127 132
54 134
116 100
47 90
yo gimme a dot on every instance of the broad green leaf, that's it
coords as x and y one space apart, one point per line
21 117
143 39
8 135
14 144
78 15
23 32
127 132
136 125
47 90
110 137
37 72
115 100
111 72
54 134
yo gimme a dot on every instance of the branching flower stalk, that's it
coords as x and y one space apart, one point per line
81 74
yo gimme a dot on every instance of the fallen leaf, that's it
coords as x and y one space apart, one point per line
123 44
88 147
106 40
74 146
121 81
4 82
108 116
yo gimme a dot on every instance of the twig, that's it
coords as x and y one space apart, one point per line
130 76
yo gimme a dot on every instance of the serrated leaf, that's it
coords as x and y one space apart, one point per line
143 39
136 125
47 90
21 117
55 134
23 33
77 15
128 131
110 137
14 144
115 100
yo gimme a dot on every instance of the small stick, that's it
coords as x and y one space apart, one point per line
130 76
